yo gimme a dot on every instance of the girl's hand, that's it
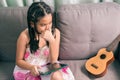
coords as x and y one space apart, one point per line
47 35
56 65
34 70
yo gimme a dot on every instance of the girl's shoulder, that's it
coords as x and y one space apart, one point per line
57 31
24 35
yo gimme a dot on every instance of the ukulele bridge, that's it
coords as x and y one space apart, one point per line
93 65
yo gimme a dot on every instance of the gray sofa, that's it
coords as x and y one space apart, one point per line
85 28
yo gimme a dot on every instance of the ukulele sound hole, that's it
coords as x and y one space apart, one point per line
102 56
93 65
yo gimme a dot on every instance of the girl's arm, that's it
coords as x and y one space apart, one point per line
54 47
21 48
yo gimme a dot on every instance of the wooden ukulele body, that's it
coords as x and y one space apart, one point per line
97 65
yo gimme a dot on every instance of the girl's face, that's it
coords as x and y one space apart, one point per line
44 23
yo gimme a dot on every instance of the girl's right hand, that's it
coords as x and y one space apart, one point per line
47 35
34 70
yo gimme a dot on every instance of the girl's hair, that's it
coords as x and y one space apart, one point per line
36 11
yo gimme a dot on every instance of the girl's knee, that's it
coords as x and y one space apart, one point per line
57 76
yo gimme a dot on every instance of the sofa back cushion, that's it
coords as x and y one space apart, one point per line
12 22
86 28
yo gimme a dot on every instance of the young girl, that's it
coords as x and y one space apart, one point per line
37 46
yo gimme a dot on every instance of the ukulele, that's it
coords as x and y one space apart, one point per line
97 65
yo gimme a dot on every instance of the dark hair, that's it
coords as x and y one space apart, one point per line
36 10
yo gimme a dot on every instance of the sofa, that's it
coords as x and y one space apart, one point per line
85 29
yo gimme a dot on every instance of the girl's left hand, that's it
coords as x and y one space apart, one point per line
34 70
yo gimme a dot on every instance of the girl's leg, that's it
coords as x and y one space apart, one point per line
56 76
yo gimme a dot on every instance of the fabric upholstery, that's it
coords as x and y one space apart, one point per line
86 28
6 70
12 22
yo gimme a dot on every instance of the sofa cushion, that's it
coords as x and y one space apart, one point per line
12 22
85 28
6 70
80 73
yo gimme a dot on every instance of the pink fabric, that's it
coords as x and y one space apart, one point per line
40 58
26 55
28 76
46 52
19 76
65 70
37 53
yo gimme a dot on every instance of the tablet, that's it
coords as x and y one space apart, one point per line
53 69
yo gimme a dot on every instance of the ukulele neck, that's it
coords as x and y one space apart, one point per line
113 45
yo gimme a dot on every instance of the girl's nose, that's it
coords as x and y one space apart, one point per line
47 27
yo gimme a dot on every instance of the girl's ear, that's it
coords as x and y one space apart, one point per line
32 24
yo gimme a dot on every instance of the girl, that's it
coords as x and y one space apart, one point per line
37 46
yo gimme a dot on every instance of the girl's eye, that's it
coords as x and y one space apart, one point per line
50 23
43 25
